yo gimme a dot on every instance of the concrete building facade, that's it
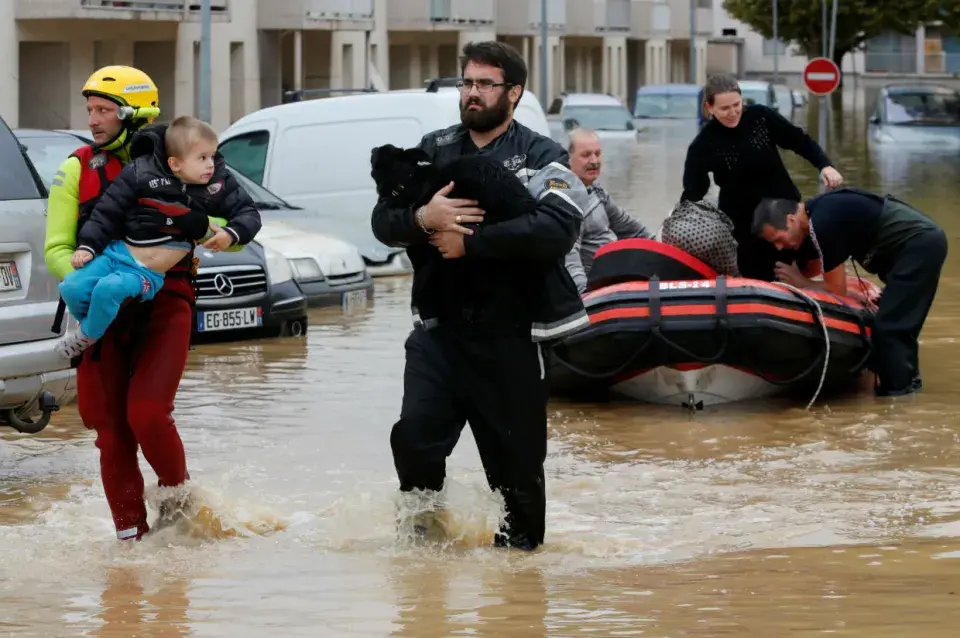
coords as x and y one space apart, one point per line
262 49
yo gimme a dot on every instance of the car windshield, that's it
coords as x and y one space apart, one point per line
48 152
756 96
600 118
924 108
666 106
262 198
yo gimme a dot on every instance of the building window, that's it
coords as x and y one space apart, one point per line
772 47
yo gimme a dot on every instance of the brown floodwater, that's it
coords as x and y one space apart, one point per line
760 519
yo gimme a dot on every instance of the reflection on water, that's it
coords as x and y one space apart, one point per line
127 608
756 520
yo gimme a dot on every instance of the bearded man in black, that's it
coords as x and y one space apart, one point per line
488 293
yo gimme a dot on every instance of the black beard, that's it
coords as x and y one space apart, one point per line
488 117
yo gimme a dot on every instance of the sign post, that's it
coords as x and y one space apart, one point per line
821 77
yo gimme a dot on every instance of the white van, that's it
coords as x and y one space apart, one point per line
315 154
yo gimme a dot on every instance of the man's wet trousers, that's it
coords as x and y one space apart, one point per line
911 285
131 411
497 384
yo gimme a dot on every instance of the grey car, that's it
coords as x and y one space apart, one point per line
242 293
34 380
921 117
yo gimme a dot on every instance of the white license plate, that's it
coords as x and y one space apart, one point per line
235 319
353 299
9 276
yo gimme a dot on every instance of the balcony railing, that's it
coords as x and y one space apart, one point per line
556 14
315 14
418 15
337 9
153 5
522 17
145 9
463 11
612 16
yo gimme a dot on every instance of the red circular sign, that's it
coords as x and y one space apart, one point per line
821 76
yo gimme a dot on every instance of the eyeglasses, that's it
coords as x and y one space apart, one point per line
483 86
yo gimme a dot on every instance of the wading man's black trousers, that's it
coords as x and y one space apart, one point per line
911 285
498 384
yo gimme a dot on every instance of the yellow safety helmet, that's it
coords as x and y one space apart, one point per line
131 88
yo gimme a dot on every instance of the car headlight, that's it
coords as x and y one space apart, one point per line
306 269
278 267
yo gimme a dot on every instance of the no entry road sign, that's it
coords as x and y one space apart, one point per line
821 76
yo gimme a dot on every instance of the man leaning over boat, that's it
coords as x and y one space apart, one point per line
603 220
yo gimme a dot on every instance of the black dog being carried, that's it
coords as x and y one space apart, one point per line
471 289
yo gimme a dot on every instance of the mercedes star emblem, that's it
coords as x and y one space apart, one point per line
223 285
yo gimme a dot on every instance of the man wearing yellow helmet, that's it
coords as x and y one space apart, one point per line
126 383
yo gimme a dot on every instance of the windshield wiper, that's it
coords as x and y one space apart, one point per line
272 206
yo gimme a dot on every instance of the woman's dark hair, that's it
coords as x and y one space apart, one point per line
498 54
772 212
716 85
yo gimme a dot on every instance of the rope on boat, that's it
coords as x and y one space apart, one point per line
826 336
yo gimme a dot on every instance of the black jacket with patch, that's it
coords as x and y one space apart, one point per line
522 257
146 205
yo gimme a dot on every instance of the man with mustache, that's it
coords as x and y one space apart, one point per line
475 353
603 220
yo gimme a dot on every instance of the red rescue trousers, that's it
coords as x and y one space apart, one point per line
134 410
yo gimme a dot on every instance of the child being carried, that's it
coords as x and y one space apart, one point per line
165 201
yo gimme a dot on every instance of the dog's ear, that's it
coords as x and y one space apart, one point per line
385 153
376 156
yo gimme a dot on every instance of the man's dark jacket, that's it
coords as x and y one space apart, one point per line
534 243
146 205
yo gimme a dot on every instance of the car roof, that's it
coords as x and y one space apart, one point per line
899 89
753 84
597 99
671 89
38 132
302 108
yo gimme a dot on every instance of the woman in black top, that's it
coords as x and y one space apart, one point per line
739 146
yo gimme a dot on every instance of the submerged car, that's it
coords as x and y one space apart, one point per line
248 292
603 113
251 290
760 92
921 117
668 104
784 96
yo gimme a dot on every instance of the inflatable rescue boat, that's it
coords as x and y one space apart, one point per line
665 328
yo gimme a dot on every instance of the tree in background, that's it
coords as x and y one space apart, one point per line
800 21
